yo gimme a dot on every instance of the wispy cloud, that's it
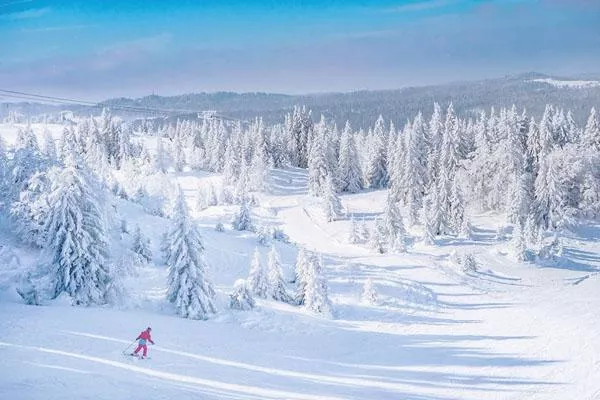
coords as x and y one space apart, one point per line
365 34
26 14
13 3
144 44
55 28
128 51
421 6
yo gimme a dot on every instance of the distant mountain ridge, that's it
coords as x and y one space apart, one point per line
531 91
363 107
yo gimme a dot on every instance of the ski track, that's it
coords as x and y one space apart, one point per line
508 331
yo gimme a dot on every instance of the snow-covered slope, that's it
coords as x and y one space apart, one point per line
573 84
505 331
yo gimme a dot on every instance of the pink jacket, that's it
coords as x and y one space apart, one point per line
145 335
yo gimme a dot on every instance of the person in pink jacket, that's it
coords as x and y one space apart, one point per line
143 338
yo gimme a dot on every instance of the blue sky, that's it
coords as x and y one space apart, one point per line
99 49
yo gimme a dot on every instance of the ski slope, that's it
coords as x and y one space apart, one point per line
506 331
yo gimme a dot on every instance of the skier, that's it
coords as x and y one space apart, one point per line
143 338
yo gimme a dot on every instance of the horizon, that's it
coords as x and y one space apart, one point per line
4 98
103 51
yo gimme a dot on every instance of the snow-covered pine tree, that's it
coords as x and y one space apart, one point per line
469 263
26 160
210 195
278 146
379 238
318 166
521 199
377 175
546 132
300 270
533 146
332 205
434 143
456 211
31 209
414 169
49 147
260 164
369 294
466 230
350 173
518 243
258 279
161 161
277 289
76 232
188 286
141 245
591 134
217 151
316 296
241 297
363 231
394 225
178 154
240 192
450 150
431 215
300 128
354 236
231 168
548 195
242 220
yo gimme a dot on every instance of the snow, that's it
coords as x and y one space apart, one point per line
572 84
507 330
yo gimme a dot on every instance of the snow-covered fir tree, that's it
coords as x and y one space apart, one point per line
242 220
241 298
378 239
377 175
354 236
591 134
300 271
332 205
141 245
240 192
469 263
518 243
350 173
231 168
318 165
363 231
456 211
316 297
76 231
258 277
413 175
161 161
394 225
189 288
30 210
260 165
277 287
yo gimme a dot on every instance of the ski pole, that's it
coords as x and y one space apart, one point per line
127 348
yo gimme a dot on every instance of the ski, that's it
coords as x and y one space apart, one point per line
135 356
